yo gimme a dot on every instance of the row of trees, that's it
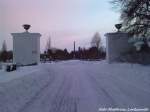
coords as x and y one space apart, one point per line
81 53
96 51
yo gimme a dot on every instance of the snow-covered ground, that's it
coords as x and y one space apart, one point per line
21 71
75 86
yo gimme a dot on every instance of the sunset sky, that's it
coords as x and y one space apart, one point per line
63 20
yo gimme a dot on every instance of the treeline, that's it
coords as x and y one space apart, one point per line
82 53
96 51
6 56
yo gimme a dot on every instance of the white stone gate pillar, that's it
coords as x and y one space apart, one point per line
116 44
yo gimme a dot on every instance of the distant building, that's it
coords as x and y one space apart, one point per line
26 48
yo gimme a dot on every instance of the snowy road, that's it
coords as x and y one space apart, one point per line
84 87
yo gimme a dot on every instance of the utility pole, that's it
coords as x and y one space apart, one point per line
74 49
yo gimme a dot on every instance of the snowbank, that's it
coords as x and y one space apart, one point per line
18 87
20 72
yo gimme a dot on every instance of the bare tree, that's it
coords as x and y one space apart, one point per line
4 46
4 53
48 44
96 40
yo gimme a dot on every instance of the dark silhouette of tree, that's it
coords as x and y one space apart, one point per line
9 55
4 46
96 40
96 45
48 44
135 15
4 54
66 54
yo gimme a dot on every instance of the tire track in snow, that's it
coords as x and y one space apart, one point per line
55 96
38 93
63 102
102 92
127 89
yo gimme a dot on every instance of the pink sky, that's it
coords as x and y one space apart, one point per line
63 20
